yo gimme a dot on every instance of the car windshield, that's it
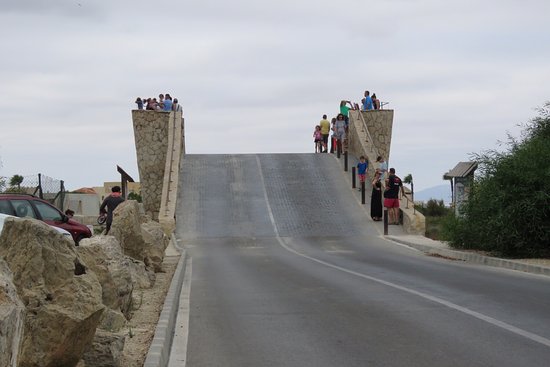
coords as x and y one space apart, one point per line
47 212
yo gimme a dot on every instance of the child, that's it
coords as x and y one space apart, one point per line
317 138
362 168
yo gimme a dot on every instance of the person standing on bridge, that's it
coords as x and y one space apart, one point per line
167 103
367 102
318 139
340 129
362 169
391 196
344 110
376 198
382 167
111 202
375 102
325 130
333 135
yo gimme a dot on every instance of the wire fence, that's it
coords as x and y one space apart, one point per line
45 187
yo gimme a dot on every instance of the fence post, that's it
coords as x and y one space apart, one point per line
62 194
346 161
40 193
353 185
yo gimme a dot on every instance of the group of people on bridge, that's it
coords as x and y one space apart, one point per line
339 124
164 103
385 184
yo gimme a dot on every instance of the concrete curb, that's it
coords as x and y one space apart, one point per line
159 351
475 258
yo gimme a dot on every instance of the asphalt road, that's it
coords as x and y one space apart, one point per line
288 270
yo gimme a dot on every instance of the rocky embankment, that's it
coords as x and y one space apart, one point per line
62 305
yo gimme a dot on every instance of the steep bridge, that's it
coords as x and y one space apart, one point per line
283 267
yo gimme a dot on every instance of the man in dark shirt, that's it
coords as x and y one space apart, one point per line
391 196
111 202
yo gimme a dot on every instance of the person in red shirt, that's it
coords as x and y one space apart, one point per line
391 196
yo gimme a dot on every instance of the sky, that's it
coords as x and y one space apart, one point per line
256 76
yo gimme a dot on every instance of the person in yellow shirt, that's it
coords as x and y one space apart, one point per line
325 130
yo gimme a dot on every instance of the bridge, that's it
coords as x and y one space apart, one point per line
283 266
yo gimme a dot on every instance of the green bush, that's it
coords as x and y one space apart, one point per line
134 196
508 210
433 208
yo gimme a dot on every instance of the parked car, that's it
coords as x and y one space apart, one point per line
65 234
25 205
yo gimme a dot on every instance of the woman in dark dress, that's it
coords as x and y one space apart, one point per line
376 198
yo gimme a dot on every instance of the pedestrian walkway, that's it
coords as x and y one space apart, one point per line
438 248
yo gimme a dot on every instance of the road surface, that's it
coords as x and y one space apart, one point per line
288 270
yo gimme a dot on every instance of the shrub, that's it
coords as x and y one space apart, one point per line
508 210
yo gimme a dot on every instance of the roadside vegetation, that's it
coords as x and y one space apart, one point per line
435 213
508 210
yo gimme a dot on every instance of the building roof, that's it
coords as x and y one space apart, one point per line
462 169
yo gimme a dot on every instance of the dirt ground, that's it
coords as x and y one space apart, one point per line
141 328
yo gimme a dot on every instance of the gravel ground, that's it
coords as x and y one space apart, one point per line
143 323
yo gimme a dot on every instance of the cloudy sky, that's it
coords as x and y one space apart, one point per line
255 76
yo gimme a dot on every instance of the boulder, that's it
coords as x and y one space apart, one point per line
105 351
140 237
156 243
126 228
120 275
62 300
11 318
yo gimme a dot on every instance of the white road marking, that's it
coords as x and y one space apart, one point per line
467 311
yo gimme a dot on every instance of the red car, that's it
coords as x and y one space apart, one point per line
24 205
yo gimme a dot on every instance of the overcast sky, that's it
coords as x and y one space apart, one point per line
256 76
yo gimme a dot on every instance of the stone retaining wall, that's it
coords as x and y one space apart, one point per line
151 138
380 125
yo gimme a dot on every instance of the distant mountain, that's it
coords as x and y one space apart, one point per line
440 192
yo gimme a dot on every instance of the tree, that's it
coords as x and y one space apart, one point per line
508 209
16 180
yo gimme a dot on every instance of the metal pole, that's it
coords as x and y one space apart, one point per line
62 196
40 193
346 161
363 192
385 221
353 178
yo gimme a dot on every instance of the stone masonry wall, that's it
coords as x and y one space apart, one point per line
151 138
380 124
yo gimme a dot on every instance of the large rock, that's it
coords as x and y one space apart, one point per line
119 275
11 318
63 303
122 279
106 350
156 243
140 237
126 228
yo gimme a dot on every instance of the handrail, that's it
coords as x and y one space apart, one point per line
369 137
409 200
